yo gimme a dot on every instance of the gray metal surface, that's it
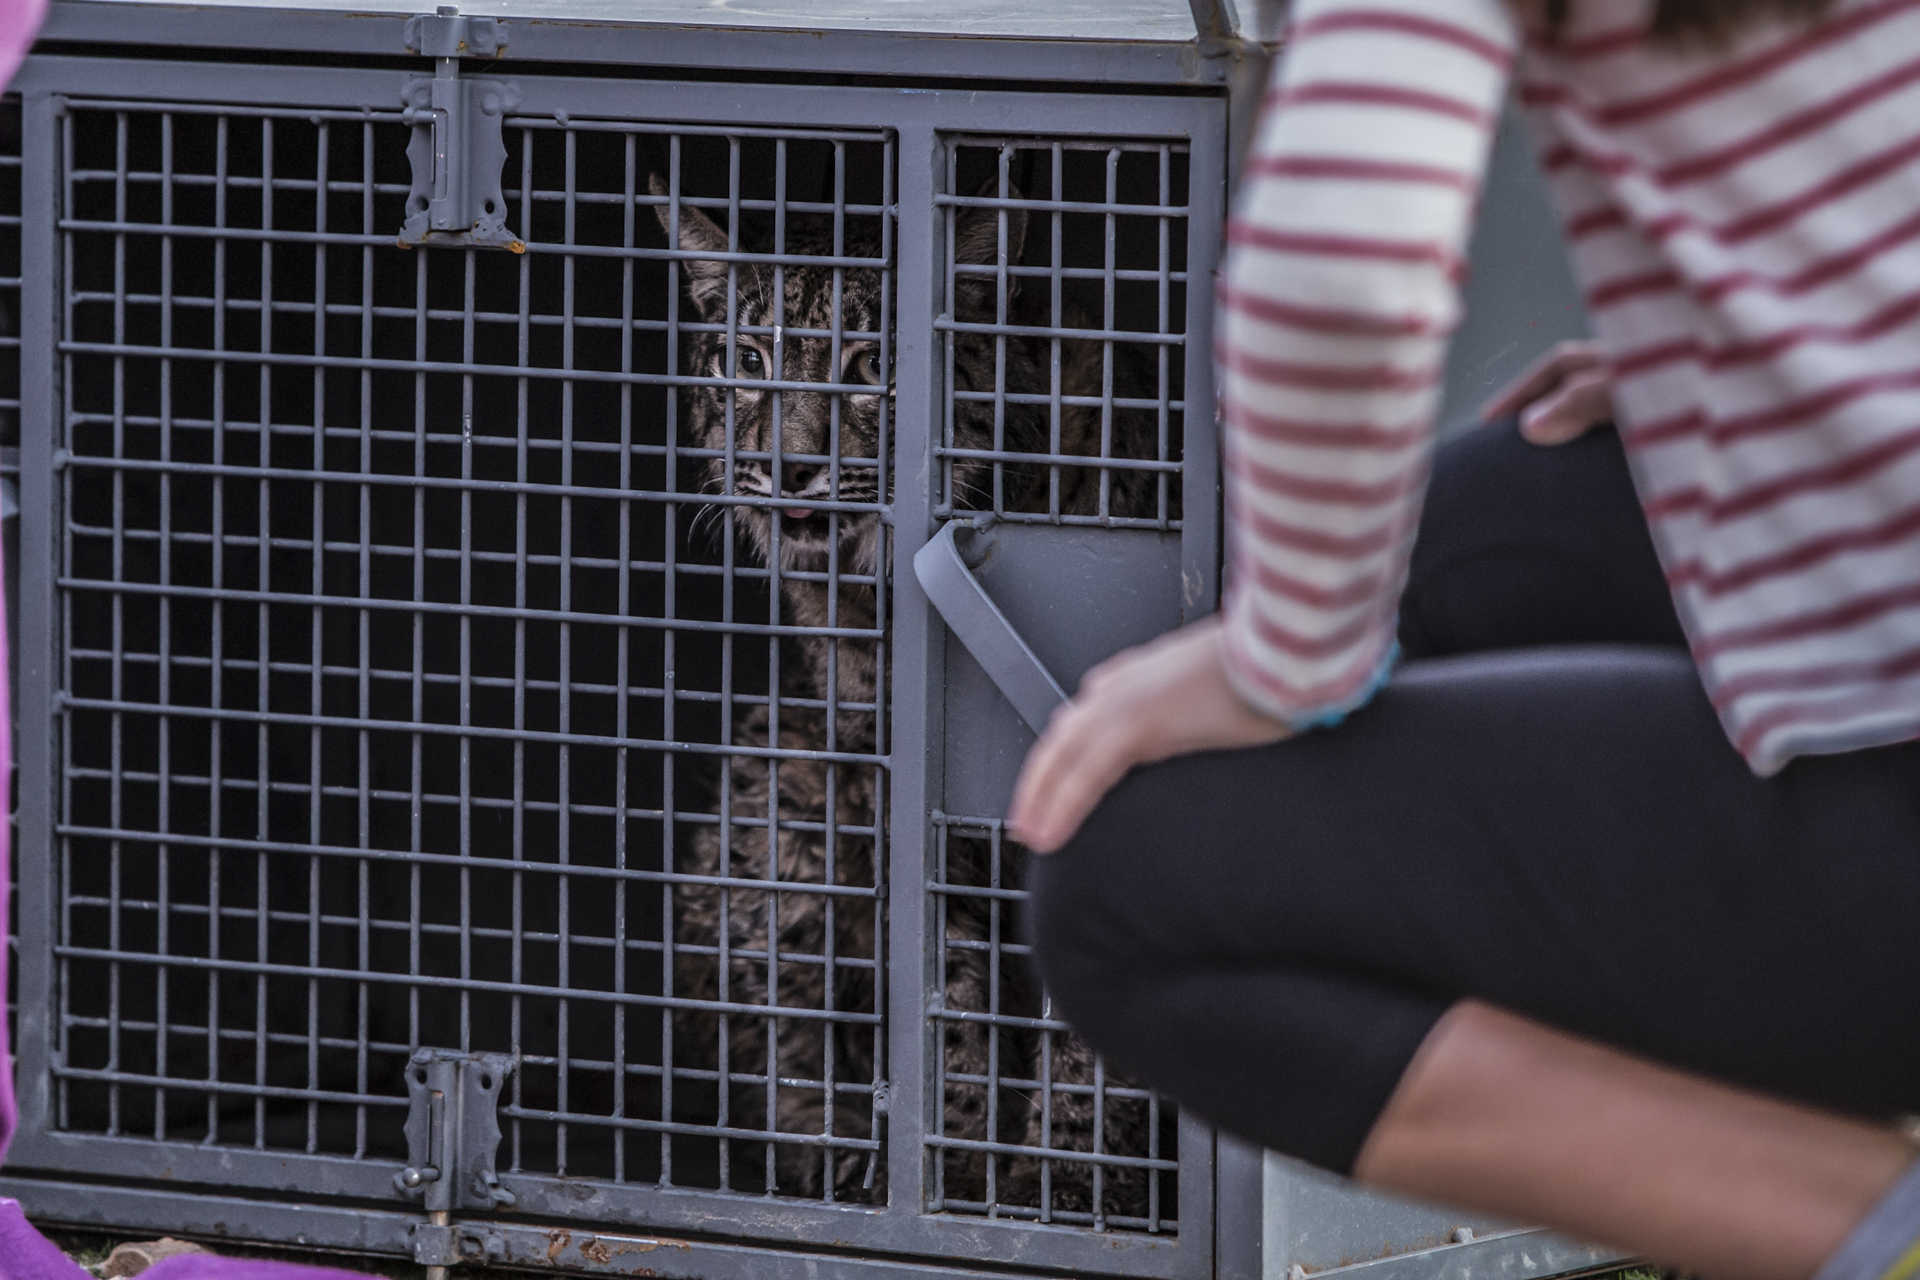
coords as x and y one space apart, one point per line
453 1130
275 853
1131 20
1240 1216
457 151
990 640
1520 296
1076 596
1316 1223
1320 1222
614 36
1516 1255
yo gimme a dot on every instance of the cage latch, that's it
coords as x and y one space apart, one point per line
439 1246
453 1136
457 150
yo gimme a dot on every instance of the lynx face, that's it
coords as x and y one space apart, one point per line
780 336
794 313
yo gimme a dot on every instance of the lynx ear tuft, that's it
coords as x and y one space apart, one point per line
699 234
976 239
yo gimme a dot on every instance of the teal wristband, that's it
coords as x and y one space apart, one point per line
1332 715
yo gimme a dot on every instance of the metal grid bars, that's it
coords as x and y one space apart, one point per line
1033 1128
1064 342
439 655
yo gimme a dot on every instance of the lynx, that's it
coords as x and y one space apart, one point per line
830 702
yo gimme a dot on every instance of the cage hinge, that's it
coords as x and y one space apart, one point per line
457 150
451 34
437 1245
433 1245
453 1136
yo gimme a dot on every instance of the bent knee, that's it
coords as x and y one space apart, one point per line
1070 950
1091 904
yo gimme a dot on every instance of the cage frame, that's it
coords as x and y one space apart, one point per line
921 119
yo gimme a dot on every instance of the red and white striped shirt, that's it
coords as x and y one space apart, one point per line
1746 225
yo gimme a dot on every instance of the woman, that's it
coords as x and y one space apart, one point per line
1604 911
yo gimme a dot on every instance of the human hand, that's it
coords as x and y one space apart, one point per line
1163 699
1560 397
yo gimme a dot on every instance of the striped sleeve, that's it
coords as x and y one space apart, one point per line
1340 289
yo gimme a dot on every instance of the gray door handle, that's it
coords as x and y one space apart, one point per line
956 595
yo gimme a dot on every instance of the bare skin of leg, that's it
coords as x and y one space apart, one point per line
1500 1113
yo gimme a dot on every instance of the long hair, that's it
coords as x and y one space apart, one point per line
1696 23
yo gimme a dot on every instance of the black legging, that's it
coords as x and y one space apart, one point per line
1539 810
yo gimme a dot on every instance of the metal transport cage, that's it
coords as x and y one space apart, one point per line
541 535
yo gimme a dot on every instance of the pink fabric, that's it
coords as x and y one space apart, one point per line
25 1254
19 20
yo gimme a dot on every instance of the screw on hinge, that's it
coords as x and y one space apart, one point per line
457 150
453 1136
445 34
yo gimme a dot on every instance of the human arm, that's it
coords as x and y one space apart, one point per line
1340 289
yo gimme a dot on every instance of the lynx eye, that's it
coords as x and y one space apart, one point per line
752 363
865 367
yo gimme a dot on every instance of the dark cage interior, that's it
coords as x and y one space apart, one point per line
488 650
428 624
1066 264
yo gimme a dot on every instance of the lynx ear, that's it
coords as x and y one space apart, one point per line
706 279
976 238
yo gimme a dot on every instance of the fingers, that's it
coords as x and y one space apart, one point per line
1088 746
1159 700
1581 402
1076 762
1542 376
1036 776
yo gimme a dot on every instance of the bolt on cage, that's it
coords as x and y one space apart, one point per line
473 629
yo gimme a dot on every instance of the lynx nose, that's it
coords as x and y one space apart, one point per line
795 476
